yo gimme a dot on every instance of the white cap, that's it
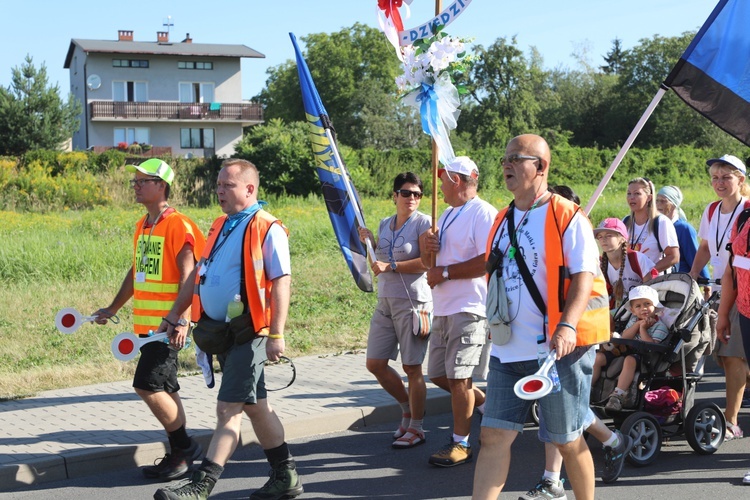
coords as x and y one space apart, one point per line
730 160
645 292
461 165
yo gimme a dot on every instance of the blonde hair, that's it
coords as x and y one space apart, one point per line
651 205
618 289
726 167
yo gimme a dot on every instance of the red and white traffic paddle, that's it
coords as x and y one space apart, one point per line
69 320
125 346
539 384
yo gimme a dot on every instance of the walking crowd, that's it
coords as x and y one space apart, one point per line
489 293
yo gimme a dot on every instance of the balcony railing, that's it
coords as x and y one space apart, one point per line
245 112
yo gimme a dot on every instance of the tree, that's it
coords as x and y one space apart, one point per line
354 71
32 114
613 58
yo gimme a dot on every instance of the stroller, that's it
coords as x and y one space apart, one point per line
673 368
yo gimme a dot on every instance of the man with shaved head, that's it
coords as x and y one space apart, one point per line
545 292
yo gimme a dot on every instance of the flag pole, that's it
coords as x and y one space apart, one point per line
438 8
625 147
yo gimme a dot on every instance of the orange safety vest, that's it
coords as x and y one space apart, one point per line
153 298
257 286
593 327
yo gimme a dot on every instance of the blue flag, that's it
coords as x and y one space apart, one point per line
713 75
341 198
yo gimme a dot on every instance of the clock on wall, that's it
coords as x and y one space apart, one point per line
93 82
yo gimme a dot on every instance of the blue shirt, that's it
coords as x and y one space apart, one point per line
688 243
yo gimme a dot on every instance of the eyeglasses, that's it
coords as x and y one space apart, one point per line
141 182
405 193
515 159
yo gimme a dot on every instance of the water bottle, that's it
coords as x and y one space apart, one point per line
542 353
235 308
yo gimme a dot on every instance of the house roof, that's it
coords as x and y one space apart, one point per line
157 48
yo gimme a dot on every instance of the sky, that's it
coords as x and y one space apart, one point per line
557 28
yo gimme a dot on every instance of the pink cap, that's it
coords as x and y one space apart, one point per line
612 224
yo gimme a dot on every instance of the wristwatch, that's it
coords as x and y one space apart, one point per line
393 266
182 322
446 276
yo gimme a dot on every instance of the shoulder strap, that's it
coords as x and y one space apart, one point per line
655 229
634 264
522 267
712 209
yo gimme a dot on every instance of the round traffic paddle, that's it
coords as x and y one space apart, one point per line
539 384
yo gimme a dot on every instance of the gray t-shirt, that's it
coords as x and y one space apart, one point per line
403 244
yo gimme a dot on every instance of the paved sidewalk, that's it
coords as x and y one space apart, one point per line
88 430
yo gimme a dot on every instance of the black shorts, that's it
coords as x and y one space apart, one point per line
157 369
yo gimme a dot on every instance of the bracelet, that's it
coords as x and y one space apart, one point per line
562 323
175 325
275 336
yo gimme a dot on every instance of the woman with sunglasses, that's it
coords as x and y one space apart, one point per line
402 287
649 232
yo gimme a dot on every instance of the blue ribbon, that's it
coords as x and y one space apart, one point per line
428 110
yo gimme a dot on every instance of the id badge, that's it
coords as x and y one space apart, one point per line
715 260
140 277
741 262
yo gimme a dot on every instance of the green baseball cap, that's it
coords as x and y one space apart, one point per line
154 167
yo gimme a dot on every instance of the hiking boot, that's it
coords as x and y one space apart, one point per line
615 457
452 454
283 483
615 402
198 487
175 464
546 488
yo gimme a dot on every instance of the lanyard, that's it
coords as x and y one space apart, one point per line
513 238
231 222
445 227
395 235
144 257
718 223
634 242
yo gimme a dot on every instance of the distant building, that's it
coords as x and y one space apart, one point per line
184 96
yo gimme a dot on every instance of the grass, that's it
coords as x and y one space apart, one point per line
78 259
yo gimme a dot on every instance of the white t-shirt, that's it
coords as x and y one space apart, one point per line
629 277
643 240
463 235
581 255
717 233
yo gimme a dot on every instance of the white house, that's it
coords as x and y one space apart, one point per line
185 96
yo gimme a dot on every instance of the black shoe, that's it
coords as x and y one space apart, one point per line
615 457
198 487
283 483
175 464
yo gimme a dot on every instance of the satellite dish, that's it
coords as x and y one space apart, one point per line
93 82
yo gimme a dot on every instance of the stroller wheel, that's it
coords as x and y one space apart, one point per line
705 426
647 436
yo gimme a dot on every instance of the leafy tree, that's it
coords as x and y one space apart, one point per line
32 114
614 58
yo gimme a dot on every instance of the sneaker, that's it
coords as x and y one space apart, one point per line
198 487
452 454
546 488
746 479
615 402
614 458
175 464
283 483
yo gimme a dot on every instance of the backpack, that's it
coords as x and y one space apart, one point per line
714 205
632 256
654 230
741 220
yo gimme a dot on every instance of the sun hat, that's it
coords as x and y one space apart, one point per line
155 168
731 160
614 225
645 292
461 165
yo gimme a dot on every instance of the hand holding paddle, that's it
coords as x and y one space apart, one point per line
539 384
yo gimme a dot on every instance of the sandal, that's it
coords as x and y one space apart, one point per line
410 439
733 432
399 432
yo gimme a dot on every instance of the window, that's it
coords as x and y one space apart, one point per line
194 65
130 91
196 92
140 135
196 138
129 63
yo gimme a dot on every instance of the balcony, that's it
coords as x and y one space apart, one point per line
179 111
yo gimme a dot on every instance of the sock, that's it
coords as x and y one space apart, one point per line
612 442
461 439
405 414
618 391
179 439
554 476
277 455
212 469
416 425
480 408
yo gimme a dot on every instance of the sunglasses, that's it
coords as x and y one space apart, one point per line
141 182
515 159
405 193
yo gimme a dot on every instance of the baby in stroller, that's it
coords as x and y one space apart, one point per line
644 325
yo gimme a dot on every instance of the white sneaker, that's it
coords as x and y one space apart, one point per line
746 479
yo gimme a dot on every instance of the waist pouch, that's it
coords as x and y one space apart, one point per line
216 337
